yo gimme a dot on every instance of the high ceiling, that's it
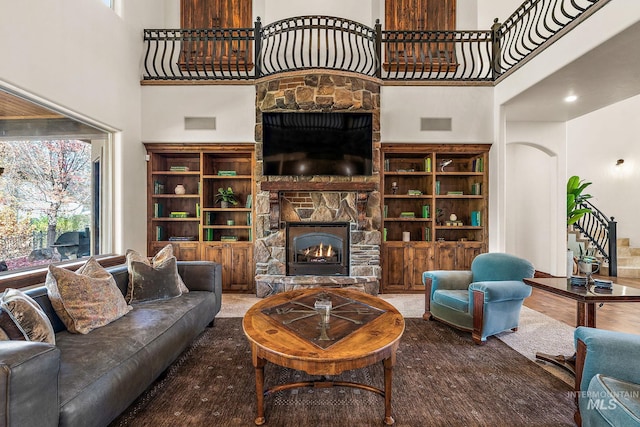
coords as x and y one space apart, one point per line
605 75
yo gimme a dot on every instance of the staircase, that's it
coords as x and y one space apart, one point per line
628 260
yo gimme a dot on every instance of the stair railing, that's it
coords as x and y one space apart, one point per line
602 233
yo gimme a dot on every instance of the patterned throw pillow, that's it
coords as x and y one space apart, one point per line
160 258
85 299
21 318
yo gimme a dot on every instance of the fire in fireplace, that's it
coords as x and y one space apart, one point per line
317 248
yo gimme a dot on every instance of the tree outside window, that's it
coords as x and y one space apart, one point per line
45 190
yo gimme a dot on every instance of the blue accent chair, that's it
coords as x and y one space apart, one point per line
607 378
485 300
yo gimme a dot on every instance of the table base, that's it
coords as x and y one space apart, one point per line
323 383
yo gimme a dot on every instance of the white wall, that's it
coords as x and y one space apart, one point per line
165 107
501 9
469 107
535 195
595 142
80 57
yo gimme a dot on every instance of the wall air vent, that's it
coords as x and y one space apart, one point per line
435 123
200 123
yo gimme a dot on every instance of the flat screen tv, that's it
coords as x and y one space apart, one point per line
304 144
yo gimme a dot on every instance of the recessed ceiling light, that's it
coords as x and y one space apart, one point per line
571 98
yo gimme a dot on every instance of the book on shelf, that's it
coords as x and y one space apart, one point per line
182 238
455 193
425 211
437 188
427 164
179 169
414 193
386 165
227 173
158 187
426 234
478 165
159 233
208 218
386 211
177 214
476 188
197 210
208 234
407 215
384 234
476 220
228 238
157 210
454 223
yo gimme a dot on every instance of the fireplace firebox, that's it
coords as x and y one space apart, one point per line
317 248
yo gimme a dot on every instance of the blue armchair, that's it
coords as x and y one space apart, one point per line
485 300
607 378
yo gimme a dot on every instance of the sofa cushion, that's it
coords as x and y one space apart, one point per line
21 318
456 299
160 258
613 400
85 299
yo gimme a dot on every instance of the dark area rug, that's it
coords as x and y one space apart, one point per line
441 379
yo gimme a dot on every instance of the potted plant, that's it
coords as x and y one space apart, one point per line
226 197
575 197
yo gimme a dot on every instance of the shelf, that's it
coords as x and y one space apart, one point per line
453 173
459 227
226 177
176 173
459 196
405 173
223 226
175 196
408 219
406 196
167 219
226 210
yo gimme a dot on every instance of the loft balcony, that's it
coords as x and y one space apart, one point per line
479 57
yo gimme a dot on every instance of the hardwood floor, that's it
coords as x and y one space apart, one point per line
622 317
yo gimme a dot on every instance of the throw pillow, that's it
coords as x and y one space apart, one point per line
21 318
152 282
162 255
85 299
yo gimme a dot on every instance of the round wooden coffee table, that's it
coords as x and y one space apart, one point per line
286 330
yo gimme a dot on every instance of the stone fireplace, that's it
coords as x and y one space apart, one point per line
318 201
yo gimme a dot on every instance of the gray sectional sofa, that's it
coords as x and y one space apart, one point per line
88 380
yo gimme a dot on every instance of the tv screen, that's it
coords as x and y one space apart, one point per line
305 144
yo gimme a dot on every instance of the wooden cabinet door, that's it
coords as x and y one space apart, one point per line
237 264
394 266
466 252
182 251
238 267
446 256
422 260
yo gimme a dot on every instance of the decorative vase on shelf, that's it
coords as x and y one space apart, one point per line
224 204
180 189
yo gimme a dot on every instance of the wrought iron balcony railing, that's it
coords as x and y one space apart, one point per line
324 42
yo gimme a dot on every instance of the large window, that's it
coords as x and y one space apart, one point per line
50 185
